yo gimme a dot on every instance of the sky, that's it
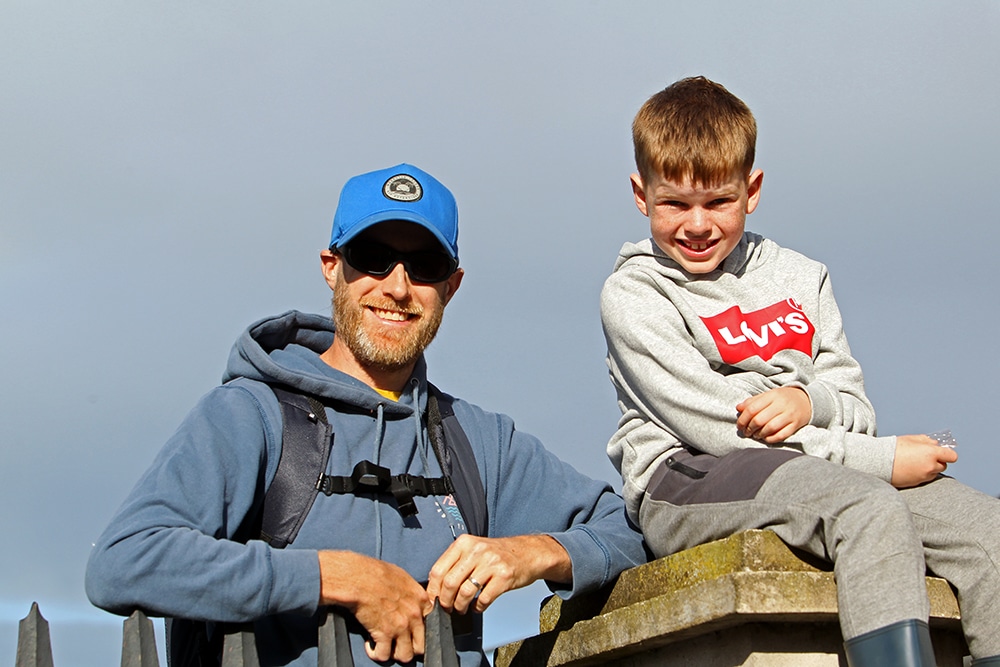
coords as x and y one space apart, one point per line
169 173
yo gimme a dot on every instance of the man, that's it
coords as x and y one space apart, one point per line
178 546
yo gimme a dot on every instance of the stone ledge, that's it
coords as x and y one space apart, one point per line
751 577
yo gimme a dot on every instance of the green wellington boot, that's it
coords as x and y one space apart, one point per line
903 644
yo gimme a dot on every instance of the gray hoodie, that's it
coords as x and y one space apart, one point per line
684 350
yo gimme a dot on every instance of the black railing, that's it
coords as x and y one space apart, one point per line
34 648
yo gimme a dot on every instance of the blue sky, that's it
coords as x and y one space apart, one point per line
169 171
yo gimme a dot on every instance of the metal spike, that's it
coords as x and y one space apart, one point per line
439 642
334 643
240 649
139 642
34 648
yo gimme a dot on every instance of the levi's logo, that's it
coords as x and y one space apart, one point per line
764 332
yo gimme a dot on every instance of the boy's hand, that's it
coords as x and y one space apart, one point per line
919 459
775 415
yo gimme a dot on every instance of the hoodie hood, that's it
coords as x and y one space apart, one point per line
285 350
752 251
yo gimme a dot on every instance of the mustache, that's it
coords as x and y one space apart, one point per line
406 307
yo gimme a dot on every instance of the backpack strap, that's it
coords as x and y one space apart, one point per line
454 452
305 449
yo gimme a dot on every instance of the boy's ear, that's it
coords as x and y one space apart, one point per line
753 189
639 194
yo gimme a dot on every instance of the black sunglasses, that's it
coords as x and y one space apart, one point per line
377 259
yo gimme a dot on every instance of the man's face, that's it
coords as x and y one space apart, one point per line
697 225
386 322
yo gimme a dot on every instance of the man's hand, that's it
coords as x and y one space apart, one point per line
919 459
498 565
774 415
384 598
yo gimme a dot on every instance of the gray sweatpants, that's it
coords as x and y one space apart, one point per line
881 541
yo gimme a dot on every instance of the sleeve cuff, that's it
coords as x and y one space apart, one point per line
824 406
868 454
295 581
591 564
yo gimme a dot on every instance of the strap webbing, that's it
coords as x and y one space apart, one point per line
373 478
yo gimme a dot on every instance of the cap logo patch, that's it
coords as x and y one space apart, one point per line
402 187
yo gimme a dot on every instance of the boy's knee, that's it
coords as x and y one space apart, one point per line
881 502
881 517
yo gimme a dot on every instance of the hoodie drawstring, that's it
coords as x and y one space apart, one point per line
376 455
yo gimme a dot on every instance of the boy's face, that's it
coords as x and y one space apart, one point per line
697 225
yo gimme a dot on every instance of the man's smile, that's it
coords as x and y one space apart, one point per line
393 315
389 312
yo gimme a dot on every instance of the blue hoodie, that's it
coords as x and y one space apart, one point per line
169 549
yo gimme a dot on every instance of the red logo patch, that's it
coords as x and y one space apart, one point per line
764 332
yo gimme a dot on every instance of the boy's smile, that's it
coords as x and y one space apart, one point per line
697 225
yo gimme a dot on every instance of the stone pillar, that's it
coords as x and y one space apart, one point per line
746 600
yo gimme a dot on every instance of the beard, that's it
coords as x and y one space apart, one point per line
385 350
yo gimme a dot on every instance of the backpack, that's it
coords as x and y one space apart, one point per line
306 439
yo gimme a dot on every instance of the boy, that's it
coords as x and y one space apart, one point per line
742 406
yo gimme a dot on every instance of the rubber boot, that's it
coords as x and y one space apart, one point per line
903 644
992 661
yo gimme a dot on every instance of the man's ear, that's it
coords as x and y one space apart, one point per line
639 194
452 284
330 261
753 189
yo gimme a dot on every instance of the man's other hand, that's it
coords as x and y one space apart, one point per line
475 571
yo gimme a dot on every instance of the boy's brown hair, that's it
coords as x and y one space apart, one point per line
695 129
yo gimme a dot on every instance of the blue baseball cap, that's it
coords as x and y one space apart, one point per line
402 192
